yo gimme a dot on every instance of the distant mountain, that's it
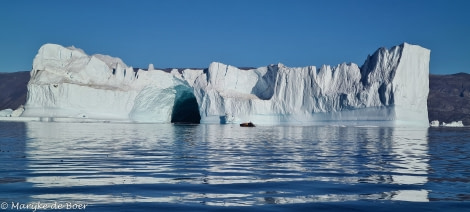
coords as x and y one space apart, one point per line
449 98
13 89
449 95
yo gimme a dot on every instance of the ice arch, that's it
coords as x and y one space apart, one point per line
175 104
185 107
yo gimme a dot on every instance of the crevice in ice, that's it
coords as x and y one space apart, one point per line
264 88
206 72
385 95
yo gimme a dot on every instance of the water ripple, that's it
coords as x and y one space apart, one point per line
225 165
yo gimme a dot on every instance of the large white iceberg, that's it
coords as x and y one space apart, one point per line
390 88
67 83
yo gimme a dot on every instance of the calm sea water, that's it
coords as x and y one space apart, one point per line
148 167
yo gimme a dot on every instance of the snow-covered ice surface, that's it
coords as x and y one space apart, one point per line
391 88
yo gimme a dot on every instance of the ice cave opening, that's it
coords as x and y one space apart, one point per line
185 108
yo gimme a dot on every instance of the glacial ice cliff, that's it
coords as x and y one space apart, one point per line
391 88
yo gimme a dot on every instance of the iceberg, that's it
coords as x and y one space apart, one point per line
390 88
67 83
453 124
434 123
11 112
6 113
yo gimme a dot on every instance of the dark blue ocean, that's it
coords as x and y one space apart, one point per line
167 167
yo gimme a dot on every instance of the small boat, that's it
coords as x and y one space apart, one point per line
247 124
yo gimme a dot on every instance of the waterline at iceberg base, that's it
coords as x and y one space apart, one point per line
390 88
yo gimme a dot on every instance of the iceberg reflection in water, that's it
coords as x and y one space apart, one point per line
224 165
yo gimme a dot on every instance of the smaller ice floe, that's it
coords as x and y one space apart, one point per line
6 113
453 124
434 123
12 113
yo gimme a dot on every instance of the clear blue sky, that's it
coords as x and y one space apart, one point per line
193 33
